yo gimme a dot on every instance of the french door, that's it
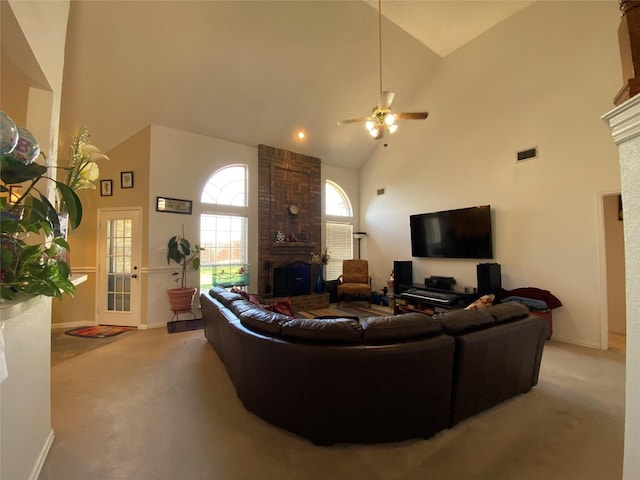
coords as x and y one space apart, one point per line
118 267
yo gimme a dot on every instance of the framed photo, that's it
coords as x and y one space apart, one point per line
126 179
106 188
15 192
173 205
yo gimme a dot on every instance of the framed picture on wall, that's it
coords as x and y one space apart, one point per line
106 188
173 205
126 179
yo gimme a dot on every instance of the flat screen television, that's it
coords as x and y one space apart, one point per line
461 233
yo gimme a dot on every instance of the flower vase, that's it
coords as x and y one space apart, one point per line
320 281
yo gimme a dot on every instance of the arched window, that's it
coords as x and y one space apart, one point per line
227 186
223 228
338 228
336 201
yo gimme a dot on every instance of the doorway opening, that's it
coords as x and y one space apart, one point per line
613 330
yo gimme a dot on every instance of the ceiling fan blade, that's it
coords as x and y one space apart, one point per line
352 120
412 115
386 99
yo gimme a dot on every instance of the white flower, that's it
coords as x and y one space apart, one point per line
83 168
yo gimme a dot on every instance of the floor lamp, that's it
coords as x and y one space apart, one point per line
359 236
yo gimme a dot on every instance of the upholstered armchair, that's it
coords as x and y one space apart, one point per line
354 280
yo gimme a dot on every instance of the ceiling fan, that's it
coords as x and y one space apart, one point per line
381 120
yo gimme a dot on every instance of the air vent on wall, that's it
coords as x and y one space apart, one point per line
527 154
380 191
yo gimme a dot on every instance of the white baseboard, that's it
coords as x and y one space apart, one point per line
35 473
71 325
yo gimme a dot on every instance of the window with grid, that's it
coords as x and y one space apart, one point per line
338 230
119 265
223 229
339 247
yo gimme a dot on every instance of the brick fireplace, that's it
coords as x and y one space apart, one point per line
286 178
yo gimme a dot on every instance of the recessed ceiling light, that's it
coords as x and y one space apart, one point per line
300 135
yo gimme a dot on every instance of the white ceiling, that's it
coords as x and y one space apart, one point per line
254 72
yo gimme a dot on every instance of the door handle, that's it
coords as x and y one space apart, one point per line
134 276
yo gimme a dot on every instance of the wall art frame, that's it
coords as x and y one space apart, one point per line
126 179
106 188
174 205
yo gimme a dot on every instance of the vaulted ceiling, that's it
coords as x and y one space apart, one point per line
257 72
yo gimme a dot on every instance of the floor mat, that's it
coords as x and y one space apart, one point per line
98 331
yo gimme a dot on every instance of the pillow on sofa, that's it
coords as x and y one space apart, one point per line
224 296
282 306
459 322
337 329
483 302
399 327
240 291
508 311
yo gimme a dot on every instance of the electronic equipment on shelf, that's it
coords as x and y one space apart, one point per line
432 296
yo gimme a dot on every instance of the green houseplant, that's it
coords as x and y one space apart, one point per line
180 251
33 246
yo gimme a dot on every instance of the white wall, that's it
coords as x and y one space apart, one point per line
181 163
44 25
25 395
35 42
624 122
541 78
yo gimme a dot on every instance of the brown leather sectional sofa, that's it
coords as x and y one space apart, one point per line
380 379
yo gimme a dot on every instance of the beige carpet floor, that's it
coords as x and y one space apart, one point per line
147 405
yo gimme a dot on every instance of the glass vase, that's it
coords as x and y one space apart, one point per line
320 281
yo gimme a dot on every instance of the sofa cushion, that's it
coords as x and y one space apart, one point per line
263 320
357 277
224 296
240 306
334 329
399 327
459 322
509 311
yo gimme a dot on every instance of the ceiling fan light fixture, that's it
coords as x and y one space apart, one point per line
381 121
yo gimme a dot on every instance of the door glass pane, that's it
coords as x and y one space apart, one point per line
118 264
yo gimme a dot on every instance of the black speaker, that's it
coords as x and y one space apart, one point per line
403 274
489 278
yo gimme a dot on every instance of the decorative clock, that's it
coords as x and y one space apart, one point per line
293 209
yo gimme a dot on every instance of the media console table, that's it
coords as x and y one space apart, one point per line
428 301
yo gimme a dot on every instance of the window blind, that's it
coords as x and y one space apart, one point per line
339 242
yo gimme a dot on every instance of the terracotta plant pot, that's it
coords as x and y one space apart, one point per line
181 299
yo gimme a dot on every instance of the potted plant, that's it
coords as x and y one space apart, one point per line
179 250
33 246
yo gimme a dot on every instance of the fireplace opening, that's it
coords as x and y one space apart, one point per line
292 279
